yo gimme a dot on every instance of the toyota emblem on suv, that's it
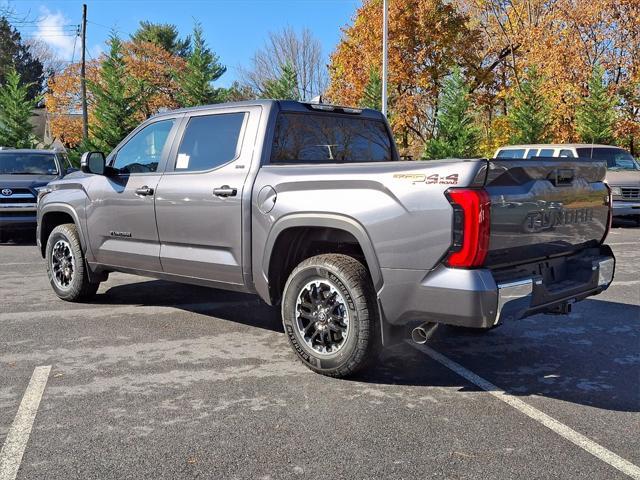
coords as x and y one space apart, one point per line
6 192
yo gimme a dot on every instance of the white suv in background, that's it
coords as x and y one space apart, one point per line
623 171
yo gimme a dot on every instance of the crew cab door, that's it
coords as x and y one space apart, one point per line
120 211
199 201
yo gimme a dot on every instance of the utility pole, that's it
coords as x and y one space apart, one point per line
385 51
83 78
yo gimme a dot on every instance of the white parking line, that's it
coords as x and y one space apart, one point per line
21 263
18 436
578 439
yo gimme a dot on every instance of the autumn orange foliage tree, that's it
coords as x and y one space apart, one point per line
151 65
495 43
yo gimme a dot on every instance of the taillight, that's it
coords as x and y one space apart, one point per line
610 215
471 227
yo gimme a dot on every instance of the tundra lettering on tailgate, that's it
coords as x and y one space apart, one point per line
538 221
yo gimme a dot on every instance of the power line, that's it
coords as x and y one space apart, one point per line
73 55
99 25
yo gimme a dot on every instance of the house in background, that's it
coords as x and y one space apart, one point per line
41 122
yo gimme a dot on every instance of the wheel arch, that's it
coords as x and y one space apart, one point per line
55 214
298 236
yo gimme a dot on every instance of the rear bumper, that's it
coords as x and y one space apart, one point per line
623 208
481 298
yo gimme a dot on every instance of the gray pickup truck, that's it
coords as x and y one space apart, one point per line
309 207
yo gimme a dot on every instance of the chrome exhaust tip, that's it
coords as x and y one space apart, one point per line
423 333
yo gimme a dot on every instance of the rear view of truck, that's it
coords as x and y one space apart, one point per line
527 237
548 222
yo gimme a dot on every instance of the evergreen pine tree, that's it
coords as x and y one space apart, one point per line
456 132
164 35
283 88
203 68
115 100
16 109
596 115
16 55
372 95
529 117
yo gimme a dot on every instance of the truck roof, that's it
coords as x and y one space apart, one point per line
283 105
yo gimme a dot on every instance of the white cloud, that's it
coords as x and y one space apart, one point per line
54 30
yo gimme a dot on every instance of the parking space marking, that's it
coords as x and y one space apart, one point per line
21 263
18 436
625 283
561 429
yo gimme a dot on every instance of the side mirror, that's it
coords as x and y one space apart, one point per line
93 162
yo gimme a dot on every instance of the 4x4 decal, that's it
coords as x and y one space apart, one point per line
436 178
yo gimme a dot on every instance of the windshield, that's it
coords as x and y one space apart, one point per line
617 158
18 163
325 138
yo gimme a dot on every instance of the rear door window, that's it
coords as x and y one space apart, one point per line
209 141
325 138
533 152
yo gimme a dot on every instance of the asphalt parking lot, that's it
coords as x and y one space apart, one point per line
160 380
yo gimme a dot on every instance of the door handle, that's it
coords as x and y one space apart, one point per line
225 191
144 191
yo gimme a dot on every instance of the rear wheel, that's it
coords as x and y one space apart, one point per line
66 268
330 315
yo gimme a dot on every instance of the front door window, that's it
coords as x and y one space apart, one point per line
142 153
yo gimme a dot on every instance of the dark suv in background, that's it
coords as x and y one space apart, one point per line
23 173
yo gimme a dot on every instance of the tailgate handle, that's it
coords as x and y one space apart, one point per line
562 176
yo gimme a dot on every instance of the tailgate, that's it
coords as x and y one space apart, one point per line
541 208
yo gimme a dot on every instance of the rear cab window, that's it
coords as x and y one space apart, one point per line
316 138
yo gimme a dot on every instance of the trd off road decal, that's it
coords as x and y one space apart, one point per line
435 178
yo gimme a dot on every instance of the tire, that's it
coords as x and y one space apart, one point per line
331 298
64 251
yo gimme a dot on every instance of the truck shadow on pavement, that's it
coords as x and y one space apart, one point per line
227 305
590 357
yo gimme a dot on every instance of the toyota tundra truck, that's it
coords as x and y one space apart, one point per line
308 206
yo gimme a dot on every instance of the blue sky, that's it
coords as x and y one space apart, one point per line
234 29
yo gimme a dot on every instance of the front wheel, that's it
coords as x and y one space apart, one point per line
66 267
330 315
